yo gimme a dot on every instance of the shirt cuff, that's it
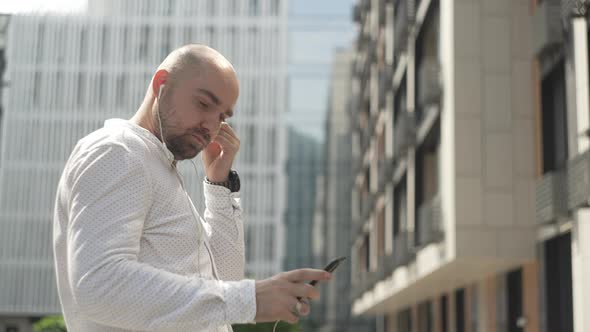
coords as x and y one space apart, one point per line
240 300
220 199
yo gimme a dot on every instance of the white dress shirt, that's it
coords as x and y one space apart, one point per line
132 253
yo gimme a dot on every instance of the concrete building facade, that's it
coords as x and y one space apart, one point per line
68 74
471 188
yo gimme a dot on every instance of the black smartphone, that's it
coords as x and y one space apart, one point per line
330 268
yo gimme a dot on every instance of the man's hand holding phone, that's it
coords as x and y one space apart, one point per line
286 296
277 297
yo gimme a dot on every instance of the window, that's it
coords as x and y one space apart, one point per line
460 310
102 86
253 8
233 7
144 38
474 307
40 42
36 89
427 164
269 231
166 41
275 6
83 46
105 32
444 312
427 49
399 208
272 141
380 232
211 36
81 95
558 283
367 253
554 119
120 92
404 321
425 317
211 8
514 289
254 104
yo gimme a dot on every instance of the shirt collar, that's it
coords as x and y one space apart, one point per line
144 134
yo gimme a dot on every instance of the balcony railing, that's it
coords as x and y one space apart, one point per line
358 287
551 197
578 181
571 8
403 248
429 222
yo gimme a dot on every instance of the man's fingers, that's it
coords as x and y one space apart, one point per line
302 275
226 128
301 290
228 138
290 318
305 307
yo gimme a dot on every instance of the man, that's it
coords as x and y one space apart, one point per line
131 251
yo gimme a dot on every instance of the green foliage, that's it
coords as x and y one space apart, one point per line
50 324
266 327
57 324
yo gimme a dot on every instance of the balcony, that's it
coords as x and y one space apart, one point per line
551 197
404 134
547 26
385 84
385 173
578 181
429 83
368 279
429 222
405 15
367 207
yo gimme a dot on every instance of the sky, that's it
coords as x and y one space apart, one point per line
42 6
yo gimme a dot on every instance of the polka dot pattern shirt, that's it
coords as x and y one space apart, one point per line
131 251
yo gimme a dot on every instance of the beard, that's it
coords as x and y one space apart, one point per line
183 146
180 141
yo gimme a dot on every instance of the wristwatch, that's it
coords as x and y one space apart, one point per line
232 183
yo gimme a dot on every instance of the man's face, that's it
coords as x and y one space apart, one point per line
192 112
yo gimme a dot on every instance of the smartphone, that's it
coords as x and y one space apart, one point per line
330 268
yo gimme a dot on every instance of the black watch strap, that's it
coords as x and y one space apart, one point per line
232 183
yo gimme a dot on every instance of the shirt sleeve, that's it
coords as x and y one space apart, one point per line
224 214
110 195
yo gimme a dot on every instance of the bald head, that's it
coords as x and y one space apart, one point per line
192 60
191 94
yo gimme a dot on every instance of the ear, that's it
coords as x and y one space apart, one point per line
160 78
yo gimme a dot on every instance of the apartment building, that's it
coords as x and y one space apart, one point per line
471 176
